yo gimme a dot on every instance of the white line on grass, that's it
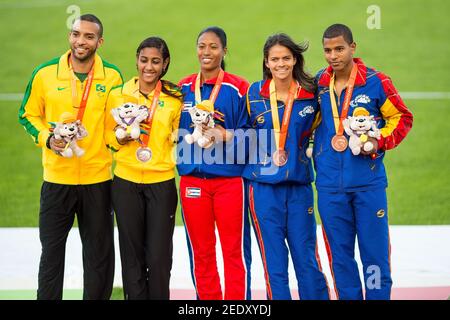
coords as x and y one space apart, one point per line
425 95
11 96
410 95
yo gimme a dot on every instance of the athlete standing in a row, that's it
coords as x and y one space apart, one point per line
352 188
211 187
282 109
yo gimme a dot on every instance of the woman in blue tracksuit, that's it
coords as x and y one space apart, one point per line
282 109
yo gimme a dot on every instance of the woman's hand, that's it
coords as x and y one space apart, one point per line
217 134
123 140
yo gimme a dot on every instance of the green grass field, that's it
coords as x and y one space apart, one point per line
411 46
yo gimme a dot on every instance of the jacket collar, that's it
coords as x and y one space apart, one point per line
361 75
301 92
64 72
210 81
131 88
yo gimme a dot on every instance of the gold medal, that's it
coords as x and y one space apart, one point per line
144 154
339 143
279 158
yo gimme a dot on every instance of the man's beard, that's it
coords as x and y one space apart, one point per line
85 58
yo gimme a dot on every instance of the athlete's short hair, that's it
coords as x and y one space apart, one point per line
337 30
92 18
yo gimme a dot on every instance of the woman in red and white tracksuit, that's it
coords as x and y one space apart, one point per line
211 187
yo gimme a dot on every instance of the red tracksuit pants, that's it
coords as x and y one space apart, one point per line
207 203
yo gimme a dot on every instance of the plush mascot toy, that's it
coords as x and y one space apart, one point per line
129 117
359 127
201 114
70 130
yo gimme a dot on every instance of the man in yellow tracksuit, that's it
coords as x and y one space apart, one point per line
77 83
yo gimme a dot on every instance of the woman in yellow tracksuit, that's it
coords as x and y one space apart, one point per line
144 195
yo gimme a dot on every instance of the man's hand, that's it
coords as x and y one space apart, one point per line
57 145
374 149
217 134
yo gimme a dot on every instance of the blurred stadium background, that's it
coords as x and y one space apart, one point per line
411 46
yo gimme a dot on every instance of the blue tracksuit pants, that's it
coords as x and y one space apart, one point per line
283 220
361 214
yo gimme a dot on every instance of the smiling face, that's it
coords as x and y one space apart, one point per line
150 65
210 51
338 53
280 62
84 40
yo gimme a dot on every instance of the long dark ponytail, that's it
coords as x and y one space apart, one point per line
304 78
168 87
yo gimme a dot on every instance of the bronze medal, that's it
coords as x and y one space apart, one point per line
339 143
280 156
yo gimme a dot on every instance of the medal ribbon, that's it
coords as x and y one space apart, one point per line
87 90
215 90
348 96
149 120
281 134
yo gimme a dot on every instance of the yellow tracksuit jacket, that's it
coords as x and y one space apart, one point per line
47 96
162 142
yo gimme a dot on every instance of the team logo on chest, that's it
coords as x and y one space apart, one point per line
306 110
100 88
361 98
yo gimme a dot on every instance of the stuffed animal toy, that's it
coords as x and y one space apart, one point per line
202 113
129 116
359 127
70 130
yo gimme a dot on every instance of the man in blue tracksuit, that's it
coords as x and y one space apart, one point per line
280 193
352 188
